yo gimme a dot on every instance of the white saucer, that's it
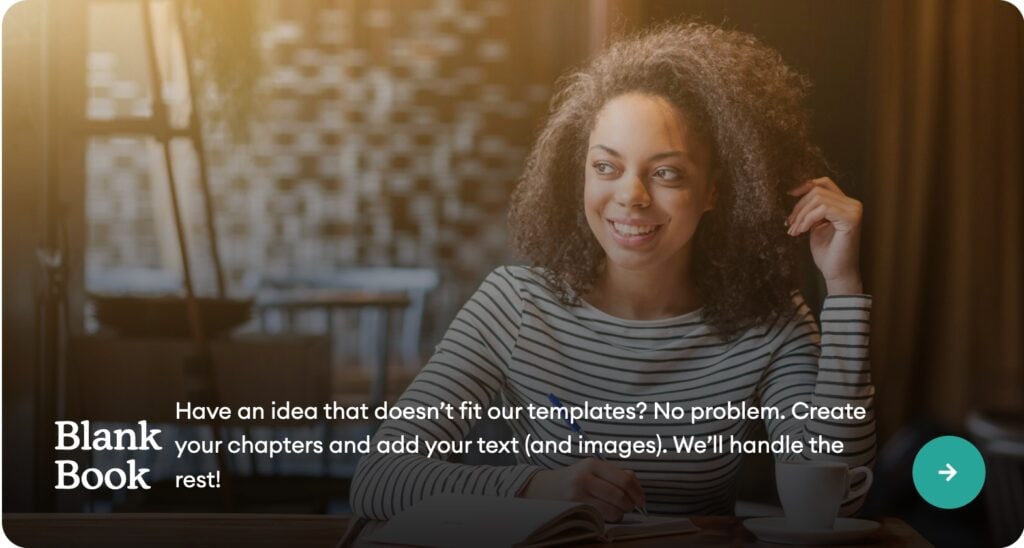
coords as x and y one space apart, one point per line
778 530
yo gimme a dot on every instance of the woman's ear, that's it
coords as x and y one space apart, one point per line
712 199
714 177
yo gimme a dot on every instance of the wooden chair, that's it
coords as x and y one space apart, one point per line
371 296
1000 438
124 380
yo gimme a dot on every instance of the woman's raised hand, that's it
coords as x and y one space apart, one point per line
833 220
612 490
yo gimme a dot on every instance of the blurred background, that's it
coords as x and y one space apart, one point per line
239 201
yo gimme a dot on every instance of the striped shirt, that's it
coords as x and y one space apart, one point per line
514 342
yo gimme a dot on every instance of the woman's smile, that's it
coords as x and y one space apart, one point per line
628 233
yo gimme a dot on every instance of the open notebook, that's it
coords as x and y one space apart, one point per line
471 520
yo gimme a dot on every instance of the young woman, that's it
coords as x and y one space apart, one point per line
660 210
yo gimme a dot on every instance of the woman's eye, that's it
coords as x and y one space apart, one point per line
667 174
604 168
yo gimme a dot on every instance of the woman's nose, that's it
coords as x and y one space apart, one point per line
632 192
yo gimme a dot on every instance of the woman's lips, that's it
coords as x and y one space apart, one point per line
632 240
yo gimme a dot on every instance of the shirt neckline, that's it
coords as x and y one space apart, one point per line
688 317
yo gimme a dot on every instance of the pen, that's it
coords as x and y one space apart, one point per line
575 427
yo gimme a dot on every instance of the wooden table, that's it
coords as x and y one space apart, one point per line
304 530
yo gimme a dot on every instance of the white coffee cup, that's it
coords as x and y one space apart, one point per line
812 491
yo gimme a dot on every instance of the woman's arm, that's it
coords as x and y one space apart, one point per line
831 369
826 369
468 365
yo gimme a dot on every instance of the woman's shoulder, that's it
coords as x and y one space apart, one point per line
796 311
528 282
521 274
797 303
793 315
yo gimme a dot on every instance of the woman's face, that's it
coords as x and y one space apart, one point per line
647 183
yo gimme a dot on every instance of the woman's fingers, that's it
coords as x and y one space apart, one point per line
611 494
842 214
816 193
813 201
811 190
823 183
612 490
810 198
635 490
809 218
802 188
806 186
625 480
827 182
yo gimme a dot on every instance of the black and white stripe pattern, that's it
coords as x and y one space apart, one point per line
513 343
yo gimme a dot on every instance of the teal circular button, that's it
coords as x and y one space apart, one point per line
949 472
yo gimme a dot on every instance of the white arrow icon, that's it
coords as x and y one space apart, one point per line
949 472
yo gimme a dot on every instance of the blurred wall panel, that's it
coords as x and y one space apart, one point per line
391 134
22 227
43 211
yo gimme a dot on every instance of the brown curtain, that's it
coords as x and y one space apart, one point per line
944 237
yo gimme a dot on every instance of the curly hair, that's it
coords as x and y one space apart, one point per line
745 103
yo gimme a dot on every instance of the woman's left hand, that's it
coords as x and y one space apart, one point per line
833 220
